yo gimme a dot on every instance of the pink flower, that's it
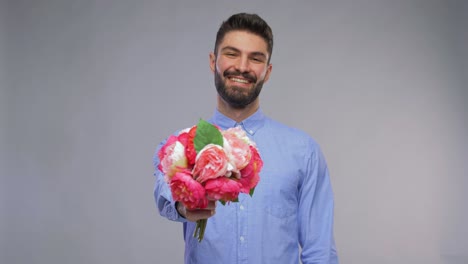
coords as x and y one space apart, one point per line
236 146
162 152
214 172
210 163
250 174
188 191
222 188
172 158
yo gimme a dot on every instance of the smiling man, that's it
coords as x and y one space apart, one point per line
290 216
241 65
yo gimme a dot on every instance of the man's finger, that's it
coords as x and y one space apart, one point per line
211 205
194 215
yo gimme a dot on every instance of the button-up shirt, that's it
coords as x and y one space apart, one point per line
290 215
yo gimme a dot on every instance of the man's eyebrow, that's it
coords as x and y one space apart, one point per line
230 48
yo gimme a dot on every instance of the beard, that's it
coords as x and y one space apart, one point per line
237 97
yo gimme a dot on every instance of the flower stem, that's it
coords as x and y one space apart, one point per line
200 229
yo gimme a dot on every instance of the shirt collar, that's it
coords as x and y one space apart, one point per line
251 124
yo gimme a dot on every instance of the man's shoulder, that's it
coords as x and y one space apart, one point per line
288 131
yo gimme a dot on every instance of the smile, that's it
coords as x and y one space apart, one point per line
238 80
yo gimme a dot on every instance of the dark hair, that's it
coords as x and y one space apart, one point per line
246 22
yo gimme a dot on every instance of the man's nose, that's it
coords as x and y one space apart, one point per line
243 64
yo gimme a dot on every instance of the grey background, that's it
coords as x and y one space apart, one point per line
89 88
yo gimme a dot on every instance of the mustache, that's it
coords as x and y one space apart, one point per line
244 75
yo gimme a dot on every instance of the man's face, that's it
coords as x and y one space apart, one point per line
240 68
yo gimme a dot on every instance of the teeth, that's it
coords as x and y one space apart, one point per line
239 80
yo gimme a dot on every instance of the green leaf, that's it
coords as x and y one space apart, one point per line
222 202
206 134
251 192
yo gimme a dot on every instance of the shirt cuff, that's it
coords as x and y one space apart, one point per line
174 214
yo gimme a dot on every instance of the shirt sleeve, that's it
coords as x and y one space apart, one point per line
315 213
162 193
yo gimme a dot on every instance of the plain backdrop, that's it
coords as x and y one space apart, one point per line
89 88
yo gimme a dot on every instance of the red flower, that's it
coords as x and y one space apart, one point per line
190 151
211 163
183 138
213 173
188 191
250 174
222 188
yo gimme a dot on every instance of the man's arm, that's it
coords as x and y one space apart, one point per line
162 193
315 215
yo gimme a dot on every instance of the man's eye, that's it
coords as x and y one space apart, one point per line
257 59
230 54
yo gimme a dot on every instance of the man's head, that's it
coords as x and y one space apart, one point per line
251 23
241 59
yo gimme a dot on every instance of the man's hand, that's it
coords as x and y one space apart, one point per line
197 214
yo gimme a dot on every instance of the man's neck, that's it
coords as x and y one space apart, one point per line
236 114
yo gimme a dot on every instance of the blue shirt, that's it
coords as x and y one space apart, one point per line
290 215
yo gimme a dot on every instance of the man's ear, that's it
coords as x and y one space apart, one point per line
268 72
212 61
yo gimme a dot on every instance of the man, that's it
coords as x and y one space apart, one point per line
290 215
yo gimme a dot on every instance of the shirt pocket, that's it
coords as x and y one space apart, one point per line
279 196
279 210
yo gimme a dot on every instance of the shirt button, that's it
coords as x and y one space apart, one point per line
241 207
241 239
251 131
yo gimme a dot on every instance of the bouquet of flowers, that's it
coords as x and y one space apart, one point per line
204 163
